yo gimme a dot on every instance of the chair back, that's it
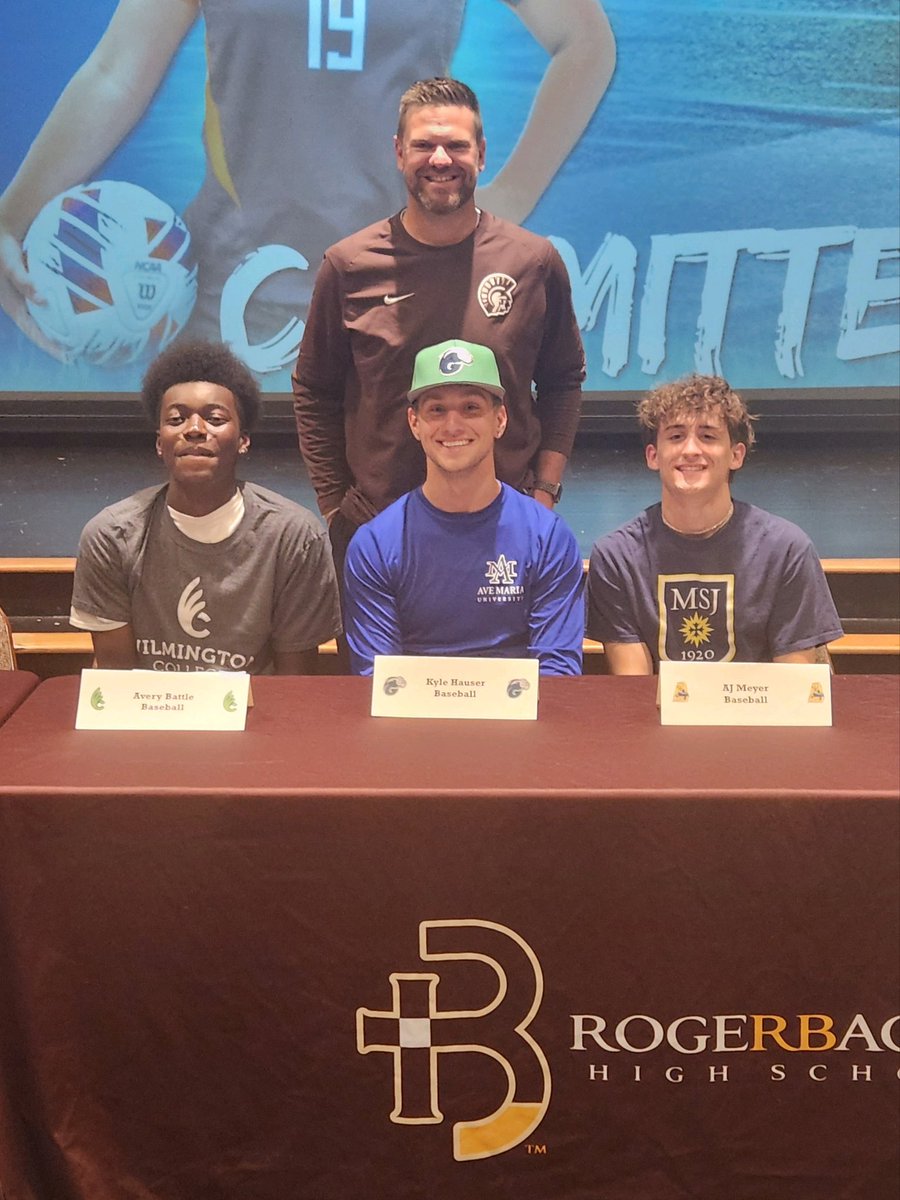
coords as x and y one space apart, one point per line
7 650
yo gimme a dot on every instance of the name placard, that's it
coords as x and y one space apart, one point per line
745 693
483 689
162 700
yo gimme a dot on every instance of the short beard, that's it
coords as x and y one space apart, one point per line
445 207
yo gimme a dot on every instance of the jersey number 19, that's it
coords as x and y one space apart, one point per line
353 23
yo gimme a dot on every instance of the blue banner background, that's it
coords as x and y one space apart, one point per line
721 116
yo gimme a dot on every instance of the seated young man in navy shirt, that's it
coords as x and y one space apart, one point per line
702 577
463 565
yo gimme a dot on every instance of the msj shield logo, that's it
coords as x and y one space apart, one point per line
696 618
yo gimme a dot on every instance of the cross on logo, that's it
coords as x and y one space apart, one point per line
503 571
406 1032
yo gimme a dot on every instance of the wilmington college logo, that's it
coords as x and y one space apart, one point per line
191 608
498 970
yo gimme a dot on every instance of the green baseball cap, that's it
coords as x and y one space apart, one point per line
462 363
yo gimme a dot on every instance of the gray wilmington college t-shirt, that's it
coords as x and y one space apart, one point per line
226 606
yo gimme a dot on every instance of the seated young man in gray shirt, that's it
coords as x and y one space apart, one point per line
205 572
702 577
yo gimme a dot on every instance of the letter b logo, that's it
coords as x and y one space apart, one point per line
417 1033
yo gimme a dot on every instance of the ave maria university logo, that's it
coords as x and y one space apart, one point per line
418 1033
502 587
501 570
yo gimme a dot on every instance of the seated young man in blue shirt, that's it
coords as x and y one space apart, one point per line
702 577
463 565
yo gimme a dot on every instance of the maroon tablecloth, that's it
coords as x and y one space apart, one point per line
305 962
595 735
14 687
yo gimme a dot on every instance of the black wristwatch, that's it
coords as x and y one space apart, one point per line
553 490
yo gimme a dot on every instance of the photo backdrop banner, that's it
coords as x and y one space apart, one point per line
721 179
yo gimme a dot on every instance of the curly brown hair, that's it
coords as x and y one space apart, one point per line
695 394
436 93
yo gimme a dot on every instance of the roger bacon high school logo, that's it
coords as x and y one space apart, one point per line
417 1033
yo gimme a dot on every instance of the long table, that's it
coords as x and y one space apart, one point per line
342 958
14 687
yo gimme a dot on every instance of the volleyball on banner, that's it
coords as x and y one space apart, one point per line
115 268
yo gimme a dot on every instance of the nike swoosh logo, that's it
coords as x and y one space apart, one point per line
397 299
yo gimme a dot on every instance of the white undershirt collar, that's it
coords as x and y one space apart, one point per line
215 526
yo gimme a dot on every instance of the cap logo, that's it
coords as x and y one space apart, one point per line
453 360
